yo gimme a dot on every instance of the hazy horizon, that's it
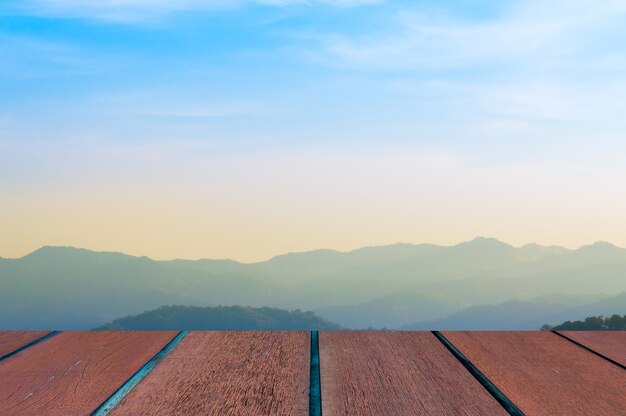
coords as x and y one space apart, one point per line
483 283
317 249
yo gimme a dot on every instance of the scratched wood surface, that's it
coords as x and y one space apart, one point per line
396 373
611 344
12 340
72 373
544 374
227 373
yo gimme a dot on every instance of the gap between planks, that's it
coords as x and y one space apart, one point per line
315 389
504 401
30 344
109 404
589 349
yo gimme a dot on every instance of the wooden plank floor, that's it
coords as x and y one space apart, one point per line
611 344
544 374
396 373
227 373
12 340
72 373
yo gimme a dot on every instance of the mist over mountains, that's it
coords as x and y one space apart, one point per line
481 284
524 315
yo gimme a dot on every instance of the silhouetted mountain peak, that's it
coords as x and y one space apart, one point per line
320 253
602 245
485 243
59 254
47 251
602 248
488 241
537 251
536 246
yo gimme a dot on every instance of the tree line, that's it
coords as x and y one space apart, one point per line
592 323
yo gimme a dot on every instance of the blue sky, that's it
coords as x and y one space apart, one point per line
423 71
122 96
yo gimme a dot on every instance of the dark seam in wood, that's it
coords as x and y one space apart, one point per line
30 344
315 390
109 404
504 401
589 349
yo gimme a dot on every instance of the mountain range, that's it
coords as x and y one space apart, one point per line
395 286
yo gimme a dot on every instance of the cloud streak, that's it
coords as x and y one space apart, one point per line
134 11
531 33
537 68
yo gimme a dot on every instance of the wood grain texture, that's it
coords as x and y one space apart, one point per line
74 372
544 374
12 340
397 373
227 373
611 344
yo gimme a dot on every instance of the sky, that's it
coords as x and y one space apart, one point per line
246 129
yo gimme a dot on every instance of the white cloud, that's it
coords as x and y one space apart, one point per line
533 32
550 69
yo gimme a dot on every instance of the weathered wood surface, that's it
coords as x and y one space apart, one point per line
227 373
72 373
12 340
544 374
396 373
611 344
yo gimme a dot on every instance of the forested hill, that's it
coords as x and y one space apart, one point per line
235 318
593 323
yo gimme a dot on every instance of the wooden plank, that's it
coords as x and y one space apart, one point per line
611 344
544 374
227 373
397 373
12 340
74 372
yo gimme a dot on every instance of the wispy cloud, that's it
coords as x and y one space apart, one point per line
132 11
535 67
26 56
530 33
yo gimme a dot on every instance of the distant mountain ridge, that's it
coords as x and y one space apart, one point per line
390 311
521 315
221 318
69 288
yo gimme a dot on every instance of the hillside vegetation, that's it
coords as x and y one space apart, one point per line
235 318
593 323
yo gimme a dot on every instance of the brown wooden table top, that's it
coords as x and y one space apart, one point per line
269 373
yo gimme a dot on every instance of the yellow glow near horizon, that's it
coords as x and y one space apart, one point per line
252 207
